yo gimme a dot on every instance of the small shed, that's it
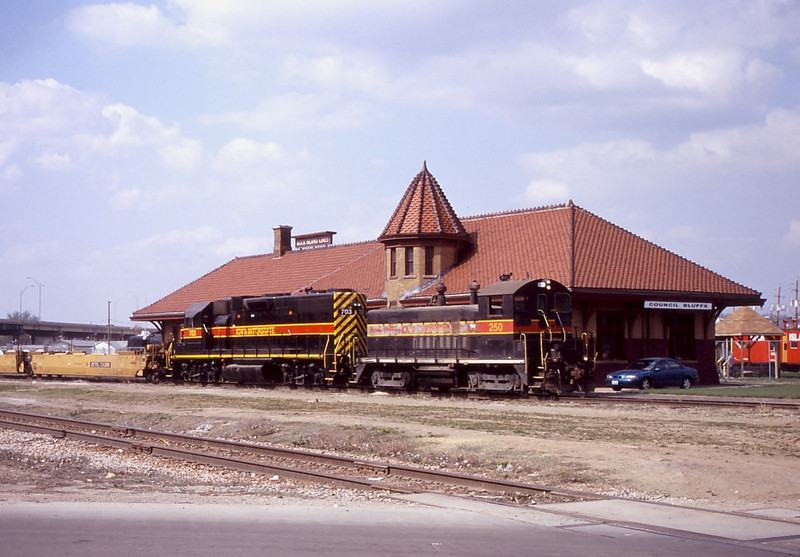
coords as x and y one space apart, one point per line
743 331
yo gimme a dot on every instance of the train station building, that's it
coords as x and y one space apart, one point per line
636 297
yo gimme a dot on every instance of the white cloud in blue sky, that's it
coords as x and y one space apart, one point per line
143 144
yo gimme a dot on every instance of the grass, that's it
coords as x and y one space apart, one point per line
783 390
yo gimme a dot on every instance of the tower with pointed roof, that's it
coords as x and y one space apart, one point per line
423 239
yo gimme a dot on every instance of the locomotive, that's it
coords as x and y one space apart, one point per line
515 337
305 339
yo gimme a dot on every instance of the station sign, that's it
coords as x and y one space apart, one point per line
686 306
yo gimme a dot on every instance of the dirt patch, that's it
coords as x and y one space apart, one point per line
714 457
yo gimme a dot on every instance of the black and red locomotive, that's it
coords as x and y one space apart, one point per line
515 337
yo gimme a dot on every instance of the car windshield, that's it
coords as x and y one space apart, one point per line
642 364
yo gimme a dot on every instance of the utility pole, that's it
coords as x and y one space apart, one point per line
108 350
40 285
778 307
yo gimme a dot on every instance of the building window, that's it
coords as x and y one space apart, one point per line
428 260
682 343
409 261
610 335
393 262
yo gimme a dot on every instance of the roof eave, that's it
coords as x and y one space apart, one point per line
161 316
726 299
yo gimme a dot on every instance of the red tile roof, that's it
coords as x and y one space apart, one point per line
423 210
564 243
344 266
581 250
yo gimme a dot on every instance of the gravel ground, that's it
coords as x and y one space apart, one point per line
39 468
716 458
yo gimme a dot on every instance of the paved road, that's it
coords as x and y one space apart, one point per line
319 528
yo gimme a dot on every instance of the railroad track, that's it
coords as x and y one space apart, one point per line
322 468
367 475
631 397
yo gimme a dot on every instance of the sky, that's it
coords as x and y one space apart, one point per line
144 144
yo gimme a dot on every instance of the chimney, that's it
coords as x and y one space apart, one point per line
283 240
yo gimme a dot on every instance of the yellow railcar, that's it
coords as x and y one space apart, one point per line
9 363
125 365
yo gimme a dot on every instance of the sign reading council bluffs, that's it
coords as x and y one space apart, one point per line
695 306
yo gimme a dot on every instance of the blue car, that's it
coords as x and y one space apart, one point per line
653 372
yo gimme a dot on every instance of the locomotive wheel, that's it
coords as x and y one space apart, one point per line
374 379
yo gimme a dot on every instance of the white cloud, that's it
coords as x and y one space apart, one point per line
240 153
11 173
134 129
710 72
598 169
54 161
588 168
542 192
131 25
192 23
182 153
298 112
770 145
199 236
792 236
127 198
229 248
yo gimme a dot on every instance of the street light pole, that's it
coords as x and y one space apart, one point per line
21 292
39 284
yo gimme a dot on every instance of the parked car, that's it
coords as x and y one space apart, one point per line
653 372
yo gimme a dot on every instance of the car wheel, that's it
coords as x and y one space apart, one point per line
618 389
686 383
646 384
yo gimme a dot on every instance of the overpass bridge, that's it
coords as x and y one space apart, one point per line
13 331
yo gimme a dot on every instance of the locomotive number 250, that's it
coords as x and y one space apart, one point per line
495 327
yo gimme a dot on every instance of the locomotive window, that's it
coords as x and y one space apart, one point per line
563 302
541 303
496 305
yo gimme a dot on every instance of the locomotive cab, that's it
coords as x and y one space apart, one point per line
554 358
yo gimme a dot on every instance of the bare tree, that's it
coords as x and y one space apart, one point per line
24 317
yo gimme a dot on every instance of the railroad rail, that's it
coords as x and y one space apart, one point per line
348 472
